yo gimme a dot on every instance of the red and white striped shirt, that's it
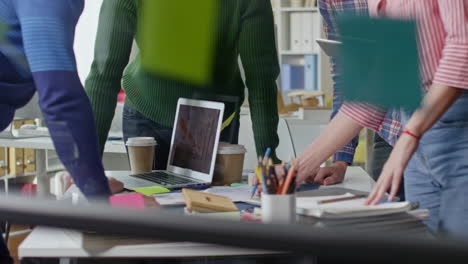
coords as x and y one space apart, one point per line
442 28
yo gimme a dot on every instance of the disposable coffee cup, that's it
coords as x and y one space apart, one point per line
229 164
141 154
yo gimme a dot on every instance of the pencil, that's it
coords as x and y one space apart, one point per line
342 199
288 180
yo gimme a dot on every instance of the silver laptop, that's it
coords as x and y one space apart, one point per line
194 145
330 47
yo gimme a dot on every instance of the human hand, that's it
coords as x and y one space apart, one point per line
305 170
393 169
150 202
115 185
333 174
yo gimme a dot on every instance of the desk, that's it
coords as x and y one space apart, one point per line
42 144
44 242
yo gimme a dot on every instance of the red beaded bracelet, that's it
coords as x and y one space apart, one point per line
407 132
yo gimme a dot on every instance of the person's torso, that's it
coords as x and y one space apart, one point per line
146 92
430 30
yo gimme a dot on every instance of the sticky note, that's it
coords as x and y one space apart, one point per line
177 39
151 190
379 61
132 201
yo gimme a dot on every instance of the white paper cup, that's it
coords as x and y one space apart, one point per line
141 154
278 209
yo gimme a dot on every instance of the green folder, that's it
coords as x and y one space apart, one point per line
379 61
177 39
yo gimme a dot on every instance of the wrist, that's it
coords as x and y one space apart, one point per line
342 164
412 134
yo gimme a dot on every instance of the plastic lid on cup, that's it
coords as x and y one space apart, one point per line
141 142
227 148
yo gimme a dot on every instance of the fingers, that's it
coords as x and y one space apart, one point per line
380 188
395 184
334 179
150 202
322 174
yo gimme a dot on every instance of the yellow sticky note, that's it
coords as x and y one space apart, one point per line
151 190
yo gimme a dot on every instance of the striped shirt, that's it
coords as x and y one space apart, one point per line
391 126
443 47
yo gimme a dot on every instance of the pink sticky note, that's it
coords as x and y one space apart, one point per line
132 201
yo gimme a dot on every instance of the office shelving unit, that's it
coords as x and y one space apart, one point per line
283 10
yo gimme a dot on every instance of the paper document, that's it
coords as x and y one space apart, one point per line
170 198
236 194
346 209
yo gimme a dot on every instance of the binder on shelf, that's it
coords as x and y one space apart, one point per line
308 33
311 72
292 77
317 29
296 31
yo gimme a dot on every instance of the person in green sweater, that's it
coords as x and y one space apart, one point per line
245 28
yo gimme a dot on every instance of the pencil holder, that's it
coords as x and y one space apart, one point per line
278 209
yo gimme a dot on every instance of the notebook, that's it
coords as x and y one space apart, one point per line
346 209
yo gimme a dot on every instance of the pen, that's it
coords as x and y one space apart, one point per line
267 154
254 189
342 199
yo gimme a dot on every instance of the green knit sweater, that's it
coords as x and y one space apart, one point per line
245 28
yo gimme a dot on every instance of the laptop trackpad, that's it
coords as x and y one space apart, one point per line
132 182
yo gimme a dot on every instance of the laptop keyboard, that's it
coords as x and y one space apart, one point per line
163 178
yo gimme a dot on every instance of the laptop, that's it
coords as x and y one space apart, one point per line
330 47
193 149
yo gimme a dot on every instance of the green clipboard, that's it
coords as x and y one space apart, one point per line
177 39
379 61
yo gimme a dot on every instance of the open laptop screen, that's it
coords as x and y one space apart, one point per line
194 138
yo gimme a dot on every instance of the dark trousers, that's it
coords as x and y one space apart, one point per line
135 124
381 152
4 254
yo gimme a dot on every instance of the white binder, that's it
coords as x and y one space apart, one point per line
307 32
296 31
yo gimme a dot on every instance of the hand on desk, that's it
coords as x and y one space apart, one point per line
66 179
333 174
150 202
115 185
392 172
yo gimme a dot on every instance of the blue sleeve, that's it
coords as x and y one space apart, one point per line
48 28
326 10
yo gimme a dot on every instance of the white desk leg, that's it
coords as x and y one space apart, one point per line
43 182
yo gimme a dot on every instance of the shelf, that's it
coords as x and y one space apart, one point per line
296 9
293 52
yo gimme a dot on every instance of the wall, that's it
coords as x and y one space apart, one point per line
85 36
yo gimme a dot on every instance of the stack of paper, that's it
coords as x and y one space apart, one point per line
346 209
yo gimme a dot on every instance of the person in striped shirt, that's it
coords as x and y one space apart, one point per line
434 144
436 175
391 126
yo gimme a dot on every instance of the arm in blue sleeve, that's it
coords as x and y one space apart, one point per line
48 28
328 15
